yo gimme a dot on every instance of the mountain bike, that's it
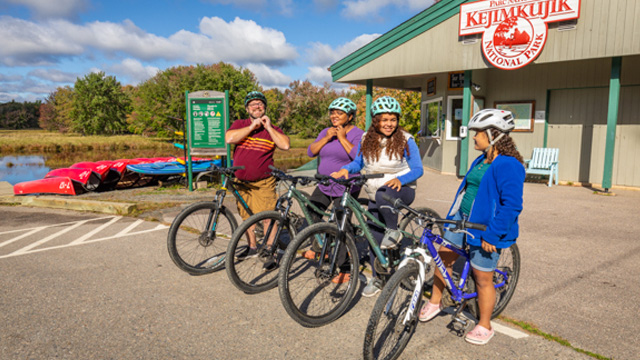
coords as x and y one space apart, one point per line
319 271
258 273
200 234
395 315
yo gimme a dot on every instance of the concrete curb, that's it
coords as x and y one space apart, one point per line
117 208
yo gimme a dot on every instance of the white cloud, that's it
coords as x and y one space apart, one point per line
134 71
53 75
324 55
321 56
365 8
240 42
44 9
269 77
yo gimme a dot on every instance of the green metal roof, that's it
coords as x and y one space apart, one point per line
402 33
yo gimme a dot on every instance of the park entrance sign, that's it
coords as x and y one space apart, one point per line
514 31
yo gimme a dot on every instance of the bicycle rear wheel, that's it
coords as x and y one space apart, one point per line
191 247
387 335
252 275
313 293
509 264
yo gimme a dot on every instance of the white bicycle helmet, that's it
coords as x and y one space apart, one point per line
486 119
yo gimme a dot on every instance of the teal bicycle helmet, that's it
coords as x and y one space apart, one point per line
255 95
385 104
344 104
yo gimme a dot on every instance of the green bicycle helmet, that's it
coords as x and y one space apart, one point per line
385 104
344 104
255 95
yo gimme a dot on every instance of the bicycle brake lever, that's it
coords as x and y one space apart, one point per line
463 231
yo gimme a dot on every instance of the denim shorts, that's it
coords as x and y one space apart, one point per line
480 259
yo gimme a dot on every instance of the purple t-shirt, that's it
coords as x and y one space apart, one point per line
333 156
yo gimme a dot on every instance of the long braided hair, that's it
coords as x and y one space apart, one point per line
505 146
395 146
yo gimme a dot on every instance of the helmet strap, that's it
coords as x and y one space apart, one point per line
493 141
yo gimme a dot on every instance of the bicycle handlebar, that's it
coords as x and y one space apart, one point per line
356 180
398 204
302 180
227 171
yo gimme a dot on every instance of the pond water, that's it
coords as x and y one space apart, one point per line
15 169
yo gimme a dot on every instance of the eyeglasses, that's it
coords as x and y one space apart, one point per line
256 104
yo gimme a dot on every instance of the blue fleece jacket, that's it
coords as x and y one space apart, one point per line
498 202
415 163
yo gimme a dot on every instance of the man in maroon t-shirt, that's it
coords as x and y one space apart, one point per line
256 141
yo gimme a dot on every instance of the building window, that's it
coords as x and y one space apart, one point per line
454 117
431 113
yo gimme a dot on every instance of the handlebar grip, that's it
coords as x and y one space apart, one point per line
234 168
397 203
475 226
374 176
321 177
273 168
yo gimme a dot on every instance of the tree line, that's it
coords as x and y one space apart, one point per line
98 104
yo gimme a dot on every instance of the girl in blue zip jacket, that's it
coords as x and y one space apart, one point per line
490 194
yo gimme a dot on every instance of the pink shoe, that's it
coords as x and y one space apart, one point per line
429 311
479 335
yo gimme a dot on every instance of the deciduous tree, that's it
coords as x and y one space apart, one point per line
100 106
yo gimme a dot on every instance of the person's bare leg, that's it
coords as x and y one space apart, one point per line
486 296
448 259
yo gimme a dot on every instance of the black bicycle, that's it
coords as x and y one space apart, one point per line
200 234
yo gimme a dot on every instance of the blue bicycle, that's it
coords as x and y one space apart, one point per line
395 315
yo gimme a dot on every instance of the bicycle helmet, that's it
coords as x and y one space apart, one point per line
502 120
255 95
486 119
385 104
344 104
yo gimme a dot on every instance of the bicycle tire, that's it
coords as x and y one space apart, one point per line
188 243
307 291
248 275
510 263
386 337
409 225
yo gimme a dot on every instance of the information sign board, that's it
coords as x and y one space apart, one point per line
207 122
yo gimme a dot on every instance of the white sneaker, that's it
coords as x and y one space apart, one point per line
374 286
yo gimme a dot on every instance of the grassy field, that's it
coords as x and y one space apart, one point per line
61 150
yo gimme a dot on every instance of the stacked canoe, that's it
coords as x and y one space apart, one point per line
109 175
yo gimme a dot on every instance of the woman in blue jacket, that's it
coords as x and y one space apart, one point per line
490 194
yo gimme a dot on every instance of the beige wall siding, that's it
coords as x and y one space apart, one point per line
606 28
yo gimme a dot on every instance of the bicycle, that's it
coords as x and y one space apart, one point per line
280 226
395 315
318 276
199 235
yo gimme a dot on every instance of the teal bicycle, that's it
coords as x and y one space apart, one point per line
319 271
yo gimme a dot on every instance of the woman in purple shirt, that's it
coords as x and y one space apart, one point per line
336 146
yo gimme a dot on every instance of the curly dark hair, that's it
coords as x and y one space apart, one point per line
505 146
396 143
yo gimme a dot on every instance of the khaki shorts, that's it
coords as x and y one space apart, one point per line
260 196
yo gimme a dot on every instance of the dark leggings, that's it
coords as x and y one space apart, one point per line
382 209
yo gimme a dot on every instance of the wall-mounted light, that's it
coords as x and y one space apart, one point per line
475 86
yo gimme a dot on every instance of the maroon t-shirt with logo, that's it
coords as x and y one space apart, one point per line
255 152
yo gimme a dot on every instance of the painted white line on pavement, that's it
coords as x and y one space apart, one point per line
129 228
95 231
53 225
159 227
516 334
50 237
21 236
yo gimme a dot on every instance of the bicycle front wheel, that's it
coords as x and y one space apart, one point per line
257 273
387 332
312 291
198 239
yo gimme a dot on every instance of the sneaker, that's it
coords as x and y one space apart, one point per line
248 253
270 263
374 286
391 239
429 311
313 255
479 335
341 278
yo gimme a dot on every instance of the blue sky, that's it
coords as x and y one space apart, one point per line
45 44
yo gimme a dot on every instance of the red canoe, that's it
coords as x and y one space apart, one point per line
52 185
101 169
86 177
